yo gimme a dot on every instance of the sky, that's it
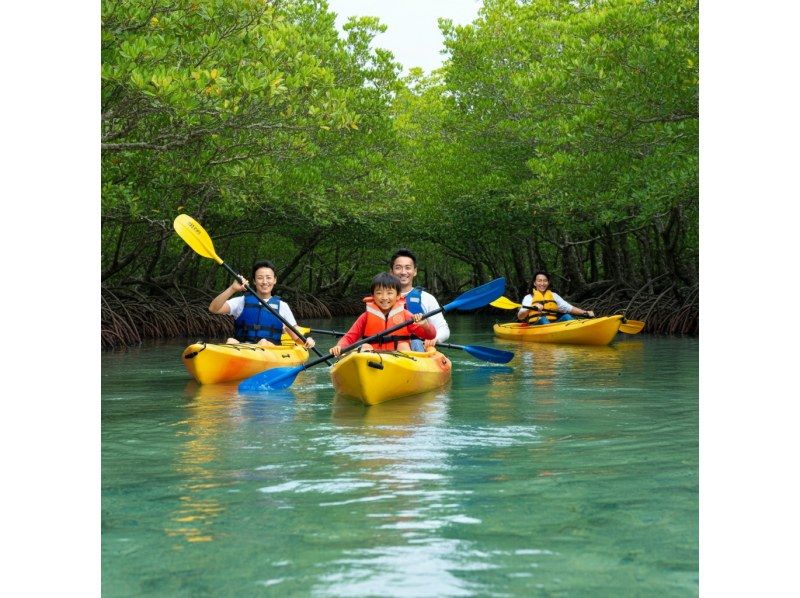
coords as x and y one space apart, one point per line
413 34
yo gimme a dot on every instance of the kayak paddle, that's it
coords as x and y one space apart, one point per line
505 303
484 353
198 239
627 326
631 326
279 378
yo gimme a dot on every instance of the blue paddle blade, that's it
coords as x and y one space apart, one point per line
479 296
274 379
489 354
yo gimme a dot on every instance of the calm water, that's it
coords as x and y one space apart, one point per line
573 472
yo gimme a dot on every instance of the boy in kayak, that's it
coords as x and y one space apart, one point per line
254 323
542 299
385 308
403 265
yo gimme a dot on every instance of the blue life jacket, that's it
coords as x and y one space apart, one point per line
414 300
256 322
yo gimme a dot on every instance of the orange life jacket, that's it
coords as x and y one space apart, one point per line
377 322
547 300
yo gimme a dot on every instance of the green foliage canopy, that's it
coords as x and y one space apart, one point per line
559 134
555 123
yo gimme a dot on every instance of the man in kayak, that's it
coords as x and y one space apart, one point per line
542 299
404 266
385 308
254 323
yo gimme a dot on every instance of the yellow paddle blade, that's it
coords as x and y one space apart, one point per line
631 326
195 236
287 340
505 303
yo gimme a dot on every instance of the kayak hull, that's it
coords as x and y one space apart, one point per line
592 331
211 363
375 377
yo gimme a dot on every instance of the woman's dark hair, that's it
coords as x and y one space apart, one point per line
263 264
402 252
387 281
543 273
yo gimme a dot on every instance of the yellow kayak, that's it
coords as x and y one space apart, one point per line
592 331
379 376
210 363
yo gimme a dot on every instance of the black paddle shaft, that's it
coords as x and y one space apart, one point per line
554 312
330 332
369 339
240 278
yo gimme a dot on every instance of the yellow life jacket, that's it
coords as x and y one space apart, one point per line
547 300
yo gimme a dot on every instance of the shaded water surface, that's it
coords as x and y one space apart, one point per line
574 471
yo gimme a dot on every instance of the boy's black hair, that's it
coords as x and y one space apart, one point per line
387 281
263 264
402 252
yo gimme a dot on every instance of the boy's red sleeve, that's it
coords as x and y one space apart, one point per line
355 333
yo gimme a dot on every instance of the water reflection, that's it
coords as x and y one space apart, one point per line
214 413
388 442
405 411
429 569
469 376
495 485
405 452
548 364
274 407
208 416
401 448
631 353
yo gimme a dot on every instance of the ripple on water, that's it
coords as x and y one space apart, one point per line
560 474
423 569
433 438
333 486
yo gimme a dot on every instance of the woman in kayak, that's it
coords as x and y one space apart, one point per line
543 306
385 308
255 323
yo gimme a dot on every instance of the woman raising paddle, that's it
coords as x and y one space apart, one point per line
542 299
254 323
